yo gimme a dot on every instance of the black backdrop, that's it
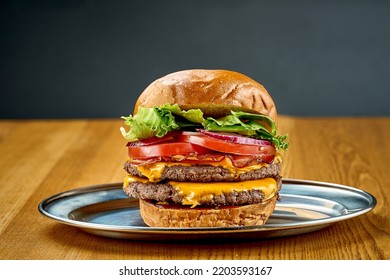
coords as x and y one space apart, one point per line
72 59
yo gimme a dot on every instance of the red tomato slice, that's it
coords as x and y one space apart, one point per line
154 140
225 146
165 150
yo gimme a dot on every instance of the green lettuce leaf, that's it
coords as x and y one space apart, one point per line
158 121
192 116
252 125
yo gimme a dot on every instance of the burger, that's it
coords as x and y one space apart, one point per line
203 151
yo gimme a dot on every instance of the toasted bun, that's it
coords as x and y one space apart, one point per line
215 92
248 215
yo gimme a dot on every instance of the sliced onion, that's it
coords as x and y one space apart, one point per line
235 138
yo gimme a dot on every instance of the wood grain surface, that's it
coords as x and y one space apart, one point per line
40 158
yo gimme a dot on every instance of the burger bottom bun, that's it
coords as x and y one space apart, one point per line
247 215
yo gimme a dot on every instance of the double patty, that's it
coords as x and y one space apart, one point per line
164 192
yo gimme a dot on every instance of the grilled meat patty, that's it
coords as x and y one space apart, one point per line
165 192
207 173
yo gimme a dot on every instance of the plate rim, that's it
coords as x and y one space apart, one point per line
87 226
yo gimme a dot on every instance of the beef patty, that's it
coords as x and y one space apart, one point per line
208 173
165 192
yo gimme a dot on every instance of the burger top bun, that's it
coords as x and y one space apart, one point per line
215 92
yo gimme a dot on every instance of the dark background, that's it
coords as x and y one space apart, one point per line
73 59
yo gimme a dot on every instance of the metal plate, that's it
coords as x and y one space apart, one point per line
304 206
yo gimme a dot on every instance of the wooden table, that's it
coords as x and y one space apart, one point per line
40 158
